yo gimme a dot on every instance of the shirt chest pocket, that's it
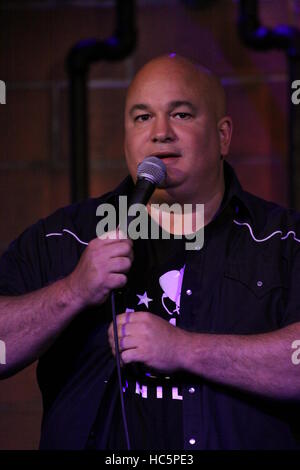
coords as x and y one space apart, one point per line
258 278
253 297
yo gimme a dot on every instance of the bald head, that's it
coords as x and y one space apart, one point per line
200 79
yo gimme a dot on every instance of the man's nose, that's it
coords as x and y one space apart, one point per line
162 130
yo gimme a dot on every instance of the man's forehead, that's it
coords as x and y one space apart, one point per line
168 105
186 79
163 83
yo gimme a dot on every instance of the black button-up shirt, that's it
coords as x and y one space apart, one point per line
244 281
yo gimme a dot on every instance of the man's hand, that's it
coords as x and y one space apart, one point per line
101 268
147 338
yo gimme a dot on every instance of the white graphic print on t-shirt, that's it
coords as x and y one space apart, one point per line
171 285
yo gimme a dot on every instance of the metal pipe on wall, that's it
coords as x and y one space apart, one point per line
287 38
78 61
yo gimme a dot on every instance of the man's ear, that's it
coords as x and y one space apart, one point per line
225 133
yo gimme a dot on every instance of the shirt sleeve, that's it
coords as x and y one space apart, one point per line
47 251
22 264
292 283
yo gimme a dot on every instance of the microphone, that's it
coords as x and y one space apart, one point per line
151 172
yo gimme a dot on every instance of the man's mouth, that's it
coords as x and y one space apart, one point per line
166 155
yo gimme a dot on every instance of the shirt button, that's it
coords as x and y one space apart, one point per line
191 390
189 292
259 283
192 441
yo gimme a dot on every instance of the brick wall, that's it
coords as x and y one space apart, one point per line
34 39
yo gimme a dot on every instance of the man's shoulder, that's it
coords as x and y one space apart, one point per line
72 223
268 217
82 216
271 208
76 211
263 212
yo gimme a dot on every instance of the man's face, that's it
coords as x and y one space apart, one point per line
170 115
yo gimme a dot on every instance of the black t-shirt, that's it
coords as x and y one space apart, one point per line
153 400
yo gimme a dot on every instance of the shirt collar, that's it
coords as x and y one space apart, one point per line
235 196
245 206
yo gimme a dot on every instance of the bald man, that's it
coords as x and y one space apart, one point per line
208 337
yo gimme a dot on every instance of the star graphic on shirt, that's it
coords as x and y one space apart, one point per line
144 299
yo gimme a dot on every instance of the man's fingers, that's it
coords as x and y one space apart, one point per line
116 280
128 342
117 246
113 235
124 330
126 336
121 248
120 265
130 355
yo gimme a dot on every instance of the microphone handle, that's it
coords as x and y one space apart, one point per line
141 194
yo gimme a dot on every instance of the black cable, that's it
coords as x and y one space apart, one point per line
113 309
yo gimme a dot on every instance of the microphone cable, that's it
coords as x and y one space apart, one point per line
118 362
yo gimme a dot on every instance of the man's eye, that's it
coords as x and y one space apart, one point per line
142 117
182 115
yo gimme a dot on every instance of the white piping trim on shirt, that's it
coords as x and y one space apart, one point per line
269 236
258 240
54 234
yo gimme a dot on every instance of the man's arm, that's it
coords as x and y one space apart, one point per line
259 363
256 363
30 323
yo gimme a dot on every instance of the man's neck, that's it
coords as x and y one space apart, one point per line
183 221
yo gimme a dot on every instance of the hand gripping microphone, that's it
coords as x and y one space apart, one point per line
151 172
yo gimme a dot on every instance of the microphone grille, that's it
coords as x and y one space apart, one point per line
152 169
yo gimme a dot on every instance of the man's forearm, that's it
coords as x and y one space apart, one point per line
30 323
256 363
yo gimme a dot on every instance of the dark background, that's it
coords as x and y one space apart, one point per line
35 37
